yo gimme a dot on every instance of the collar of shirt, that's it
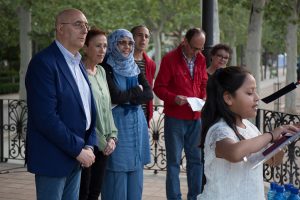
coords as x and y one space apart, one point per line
70 58
186 58
82 84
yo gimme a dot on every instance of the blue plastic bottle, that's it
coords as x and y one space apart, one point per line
279 193
287 189
272 190
294 194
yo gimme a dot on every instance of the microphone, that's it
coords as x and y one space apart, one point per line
280 92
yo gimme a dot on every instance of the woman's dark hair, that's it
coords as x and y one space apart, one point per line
134 29
217 47
227 79
92 33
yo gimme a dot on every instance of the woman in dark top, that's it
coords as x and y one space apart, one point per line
220 55
128 89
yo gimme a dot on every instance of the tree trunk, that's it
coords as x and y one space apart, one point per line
25 47
291 50
201 11
157 58
253 50
233 59
232 42
157 46
216 24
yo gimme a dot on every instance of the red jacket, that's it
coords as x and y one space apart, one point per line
150 68
174 79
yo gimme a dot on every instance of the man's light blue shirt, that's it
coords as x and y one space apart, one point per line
82 84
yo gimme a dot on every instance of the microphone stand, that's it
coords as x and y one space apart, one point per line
280 92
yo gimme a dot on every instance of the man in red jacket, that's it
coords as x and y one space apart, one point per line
183 74
141 36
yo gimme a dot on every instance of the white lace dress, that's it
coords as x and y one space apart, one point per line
227 180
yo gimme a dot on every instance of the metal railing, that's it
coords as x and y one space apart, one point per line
288 171
13 121
157 143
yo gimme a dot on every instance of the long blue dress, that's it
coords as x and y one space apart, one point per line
124 174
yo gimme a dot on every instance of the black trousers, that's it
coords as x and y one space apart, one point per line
92 178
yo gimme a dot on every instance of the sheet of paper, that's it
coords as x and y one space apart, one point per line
113 106
195 103
263 156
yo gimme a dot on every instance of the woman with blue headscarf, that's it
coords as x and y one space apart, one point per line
128 89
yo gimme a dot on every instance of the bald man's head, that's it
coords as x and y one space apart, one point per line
71 28
65 15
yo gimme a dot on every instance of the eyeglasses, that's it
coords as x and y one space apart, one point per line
195 48
222 57
79 25
124 43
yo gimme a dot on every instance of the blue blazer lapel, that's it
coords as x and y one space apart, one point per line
63 66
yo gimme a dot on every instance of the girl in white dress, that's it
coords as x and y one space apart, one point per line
228 137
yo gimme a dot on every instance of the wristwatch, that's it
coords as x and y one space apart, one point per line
115 139
89 147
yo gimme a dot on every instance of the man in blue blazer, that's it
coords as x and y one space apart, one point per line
61 112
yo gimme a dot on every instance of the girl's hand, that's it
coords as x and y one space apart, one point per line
110 147
283 129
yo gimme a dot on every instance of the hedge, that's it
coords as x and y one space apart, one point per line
6 88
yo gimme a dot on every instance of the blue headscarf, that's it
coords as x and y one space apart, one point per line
124 66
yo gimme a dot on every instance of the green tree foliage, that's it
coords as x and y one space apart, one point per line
172 17
158 15
275 24
234 18
107 14
9 37
169 16
187 15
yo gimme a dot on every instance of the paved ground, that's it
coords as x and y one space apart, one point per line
17 184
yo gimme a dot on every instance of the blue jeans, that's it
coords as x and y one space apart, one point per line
179 135
58 188
123 185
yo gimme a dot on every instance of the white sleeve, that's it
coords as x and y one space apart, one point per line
217 132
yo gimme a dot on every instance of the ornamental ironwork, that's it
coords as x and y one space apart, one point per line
157 143
13 123
288 171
